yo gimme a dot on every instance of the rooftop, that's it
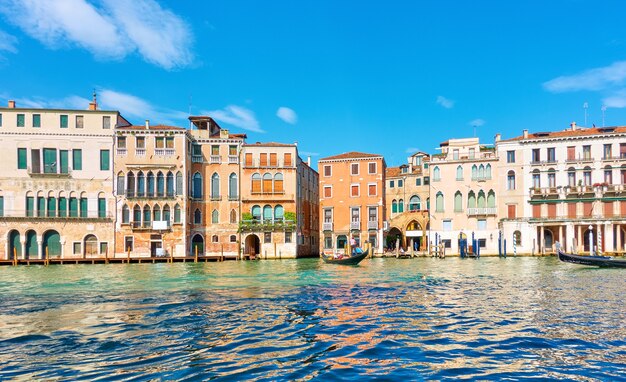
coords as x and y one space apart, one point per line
352 155
574 131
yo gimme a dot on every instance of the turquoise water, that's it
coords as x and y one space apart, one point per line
420 319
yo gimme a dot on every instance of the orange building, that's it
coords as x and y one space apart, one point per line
352 199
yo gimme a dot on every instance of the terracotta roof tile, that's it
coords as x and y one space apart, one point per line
579 132
152 127
352 154
270 144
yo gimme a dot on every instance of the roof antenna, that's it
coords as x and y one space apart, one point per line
585 106
190 100
603 110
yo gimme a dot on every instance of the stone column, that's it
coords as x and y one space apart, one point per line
569 233
561 239
608 239
541 248
618 241
580 240
42 250
23 244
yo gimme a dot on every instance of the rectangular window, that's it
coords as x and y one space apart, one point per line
1 205
159 142
447 225
418 181
215 150
248 159
77 159
327 170
455 154
64 159
371 189
76 248
273 160
392 183
551 154
288 237
536 156
140 142
587 208
537 210
121 142
372 214
104 248
232 150
356 214
30 206
169 142
21 120
129 244
49 161
571 210
587 152
354 190
328 242
106 122
21 159
328 191
371 168
63 121
263 160
426 181
481 224
447 243
267 237
482 243
400 183
36 120
608 152
79 121
328 215
622 150
354 169
104 160
288 160
608 176
510 156
571 152
552 211
472 153
551 180
511 211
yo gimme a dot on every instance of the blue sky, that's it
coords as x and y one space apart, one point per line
386 78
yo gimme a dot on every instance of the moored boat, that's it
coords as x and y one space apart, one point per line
598 261
346 260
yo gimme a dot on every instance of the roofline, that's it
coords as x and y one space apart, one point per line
4 108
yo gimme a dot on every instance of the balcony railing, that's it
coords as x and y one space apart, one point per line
56 214
215 159
140 152
481 178
482 211
579 160
267 225
543 162
372 225
197 159
121 151
612 158
327 226
268 164
164 152
233 159
49 172
356 225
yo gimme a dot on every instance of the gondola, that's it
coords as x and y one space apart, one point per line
352 260
598 261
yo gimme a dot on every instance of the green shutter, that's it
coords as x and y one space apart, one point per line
62 207
63 154
0 119
21 159
177 214
63 122
102 207
36 120
83 207
30 206
41 206
1 205
52 207
50 161
104 160
20 120
73 207
77 159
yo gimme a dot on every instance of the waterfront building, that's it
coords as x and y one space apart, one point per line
463 195
279 202
56 188
352 200
407 203
150 178
563 186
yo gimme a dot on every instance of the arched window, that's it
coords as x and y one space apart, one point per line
160 183
121 180
415 204
141 184
428 204
197 186
587 176
458 202
491 199
471 200
146 216
130 184
215 186
481 199
215 239
481 172
517 236
510 180
232 186
177 214
394 206
267 213
233 238
536 179
169 180
439 202
401 205
125 214
256 183
278 183
215 217
233 216
137 216
166 213
197 216
156 213
474 172
571 177
436 174
256 213
279 213
488 171
608 174
459 173
179 183
267 182
150 184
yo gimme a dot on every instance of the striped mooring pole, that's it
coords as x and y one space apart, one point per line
599 242
514 246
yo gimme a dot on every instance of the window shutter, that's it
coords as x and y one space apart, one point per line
77 159
102 207
248 159
62 207
273 160
83 207
372 190
21 159
571 210
263 159
63 154
73 207
287 159
104 160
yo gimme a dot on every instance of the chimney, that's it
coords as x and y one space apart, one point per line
93 105
147 124
573 126
498 137
11 104
308 160
525 133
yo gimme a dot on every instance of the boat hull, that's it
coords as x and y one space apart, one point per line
352 260
597 261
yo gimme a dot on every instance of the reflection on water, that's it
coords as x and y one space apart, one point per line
489 319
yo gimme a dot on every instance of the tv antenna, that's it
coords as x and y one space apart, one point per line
585 106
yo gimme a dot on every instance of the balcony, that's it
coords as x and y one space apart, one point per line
121 151
131 194
480 178
197 159
355 225
584 159
233 159
543 162
164 152
215 159
327 226
232 198
140 152
482 211
614 159
372 225
216 198
54 215
267 164
266 225
49 171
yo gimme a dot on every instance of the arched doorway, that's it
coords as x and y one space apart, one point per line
414 233
342 241
52 241
15 247
548 239
394 239
31 250
253 245
197 245
90 246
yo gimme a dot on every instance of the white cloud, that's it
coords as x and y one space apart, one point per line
109 29
7 42
237 116
133 106
477 122
411 150
309 154
592 79
445 102
617 100
287 115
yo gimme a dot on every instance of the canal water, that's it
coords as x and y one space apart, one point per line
420 319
